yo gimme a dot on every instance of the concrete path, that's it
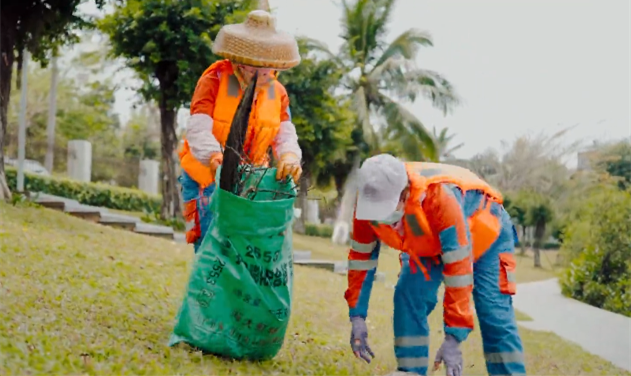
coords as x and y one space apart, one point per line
600 332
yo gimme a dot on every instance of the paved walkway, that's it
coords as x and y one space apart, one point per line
600 332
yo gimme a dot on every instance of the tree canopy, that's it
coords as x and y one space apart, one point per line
615 159
168 44
323 118
39 27
85 111
385 77
532 162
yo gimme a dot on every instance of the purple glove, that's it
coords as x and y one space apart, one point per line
359 339
450 354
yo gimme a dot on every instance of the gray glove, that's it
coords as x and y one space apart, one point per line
450 354
359 339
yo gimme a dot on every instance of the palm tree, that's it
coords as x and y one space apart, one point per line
442 141
539 215
381 77
518 207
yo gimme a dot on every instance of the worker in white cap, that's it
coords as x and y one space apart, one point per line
451 225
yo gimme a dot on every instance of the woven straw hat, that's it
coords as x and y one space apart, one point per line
256 42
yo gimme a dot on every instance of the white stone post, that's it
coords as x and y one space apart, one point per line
80 160
149 177
313 212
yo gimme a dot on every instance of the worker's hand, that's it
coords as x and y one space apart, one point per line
450 354
216 159
359 339
289 165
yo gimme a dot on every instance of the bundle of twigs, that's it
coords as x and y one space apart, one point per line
253 176
229 179
244 181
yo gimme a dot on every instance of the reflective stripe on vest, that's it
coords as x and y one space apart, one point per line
459 280
361 247
233 86
362 264
510 276
457 255
189 225
264 122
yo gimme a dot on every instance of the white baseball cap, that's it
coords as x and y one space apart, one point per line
381 179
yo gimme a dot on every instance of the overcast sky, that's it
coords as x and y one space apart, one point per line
520 66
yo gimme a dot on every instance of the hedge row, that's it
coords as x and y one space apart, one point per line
322 231
546 246
92 194
597 244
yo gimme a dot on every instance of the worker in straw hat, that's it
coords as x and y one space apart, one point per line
254 46
451 226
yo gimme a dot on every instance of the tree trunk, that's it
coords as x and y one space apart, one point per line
342 225
522 243
540 232
339 180
339 187
537 253
52 114
170 195
167 73
7 57
301 224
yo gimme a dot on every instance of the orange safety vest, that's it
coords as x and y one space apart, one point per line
418 239
263 126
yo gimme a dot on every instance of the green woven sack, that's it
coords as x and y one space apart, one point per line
238 299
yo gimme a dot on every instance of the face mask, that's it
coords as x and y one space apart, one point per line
392 218
265 75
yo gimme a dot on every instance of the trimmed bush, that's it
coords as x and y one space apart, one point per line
322 231
598 246
547 246
92 194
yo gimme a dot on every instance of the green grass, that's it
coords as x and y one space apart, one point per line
520 316
79 298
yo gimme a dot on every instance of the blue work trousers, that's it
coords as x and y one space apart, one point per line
193 194
415 298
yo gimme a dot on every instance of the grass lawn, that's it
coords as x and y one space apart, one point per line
79 298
